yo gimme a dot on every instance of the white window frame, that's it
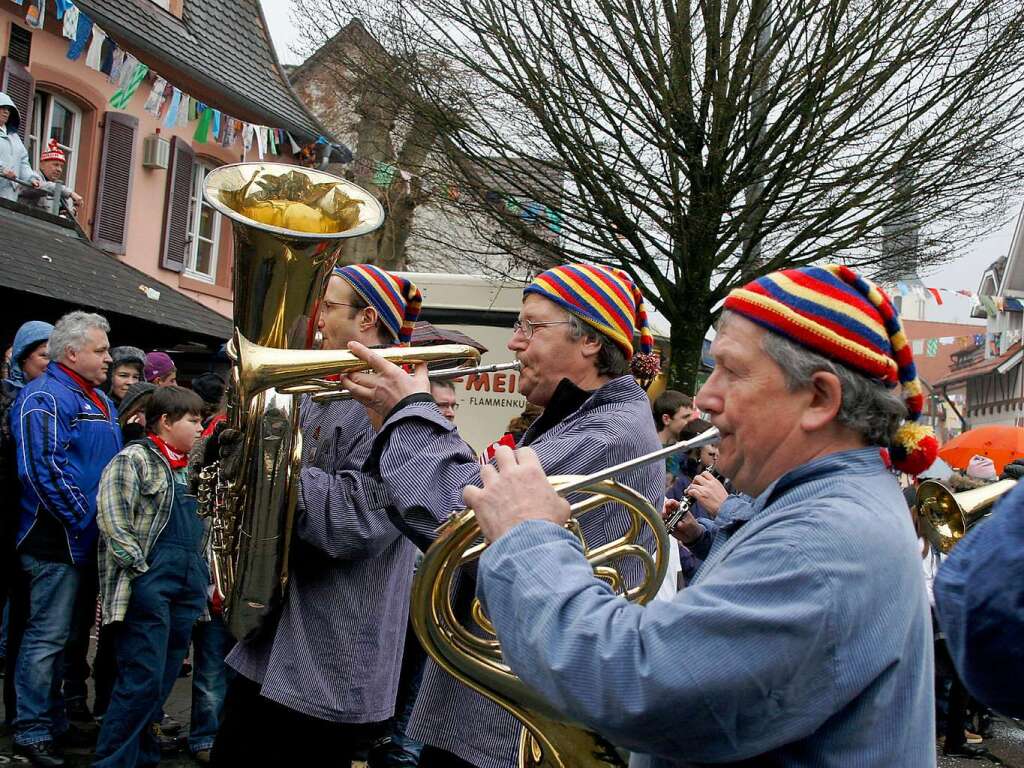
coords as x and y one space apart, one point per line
39 132
196 206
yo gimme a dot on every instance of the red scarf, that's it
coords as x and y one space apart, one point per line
88 389
175 459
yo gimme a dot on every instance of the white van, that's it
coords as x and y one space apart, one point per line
484 309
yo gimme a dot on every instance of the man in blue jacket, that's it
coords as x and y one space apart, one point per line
65 431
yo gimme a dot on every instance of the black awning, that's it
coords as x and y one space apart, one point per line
45 256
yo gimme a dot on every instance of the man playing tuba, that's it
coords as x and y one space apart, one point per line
325 677
574 339
809 612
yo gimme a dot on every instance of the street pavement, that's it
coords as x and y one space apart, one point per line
1006 744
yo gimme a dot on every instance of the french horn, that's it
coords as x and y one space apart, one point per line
547 740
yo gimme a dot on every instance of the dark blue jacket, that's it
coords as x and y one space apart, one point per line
64 442
979 597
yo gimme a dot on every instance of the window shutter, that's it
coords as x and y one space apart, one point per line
17 83
176 207
117 165
19 47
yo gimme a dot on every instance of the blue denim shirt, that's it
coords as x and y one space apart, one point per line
810 615
979 597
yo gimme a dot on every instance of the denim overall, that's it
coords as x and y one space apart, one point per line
152 642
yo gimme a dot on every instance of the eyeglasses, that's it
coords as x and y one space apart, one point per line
527 327
331 304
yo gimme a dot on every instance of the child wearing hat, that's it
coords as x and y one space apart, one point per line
160 369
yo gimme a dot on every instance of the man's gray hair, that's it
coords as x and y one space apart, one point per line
72 330
868 407
611 360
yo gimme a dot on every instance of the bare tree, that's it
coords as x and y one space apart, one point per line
705 143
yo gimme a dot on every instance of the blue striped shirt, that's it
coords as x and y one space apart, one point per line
425 465
810 615
336 652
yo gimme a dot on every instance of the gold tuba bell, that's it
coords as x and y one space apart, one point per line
547 739
946 517
289 224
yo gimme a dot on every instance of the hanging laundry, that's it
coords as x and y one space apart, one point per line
120 57
261 141
124 94
294 144
183 110
36 14
107 57
227 137
155 100
202 134
82 33
172 111
271 143
247 133
63 6
93 57
216 123
70 22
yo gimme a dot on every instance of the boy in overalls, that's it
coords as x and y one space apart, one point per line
153 574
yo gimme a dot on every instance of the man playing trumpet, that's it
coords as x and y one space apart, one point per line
810 612
574 339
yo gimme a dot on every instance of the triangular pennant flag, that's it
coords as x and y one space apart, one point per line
294 144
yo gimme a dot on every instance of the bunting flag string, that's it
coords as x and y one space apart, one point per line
176 108
991 304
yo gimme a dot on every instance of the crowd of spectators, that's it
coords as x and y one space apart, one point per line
95 444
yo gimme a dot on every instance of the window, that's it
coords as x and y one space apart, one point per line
203 230
57 118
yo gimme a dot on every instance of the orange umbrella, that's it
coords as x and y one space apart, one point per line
1000 443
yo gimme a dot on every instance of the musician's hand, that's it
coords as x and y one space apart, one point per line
36 183
387 386
229 450
708 491
77 198
687 530
515 490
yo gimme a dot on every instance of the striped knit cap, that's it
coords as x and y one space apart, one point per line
396 299
604 298
840 315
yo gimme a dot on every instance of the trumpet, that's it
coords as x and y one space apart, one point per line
447 374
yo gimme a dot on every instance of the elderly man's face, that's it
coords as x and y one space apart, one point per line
92 360
550 354
747 399
53 170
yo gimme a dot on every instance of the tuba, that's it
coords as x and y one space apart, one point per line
547 740
946 517
289 224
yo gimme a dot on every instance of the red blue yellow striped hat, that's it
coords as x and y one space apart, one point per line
604 298
840 315
396 299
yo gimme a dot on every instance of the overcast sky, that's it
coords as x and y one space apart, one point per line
963 273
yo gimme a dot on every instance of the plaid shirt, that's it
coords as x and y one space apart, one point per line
134 504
